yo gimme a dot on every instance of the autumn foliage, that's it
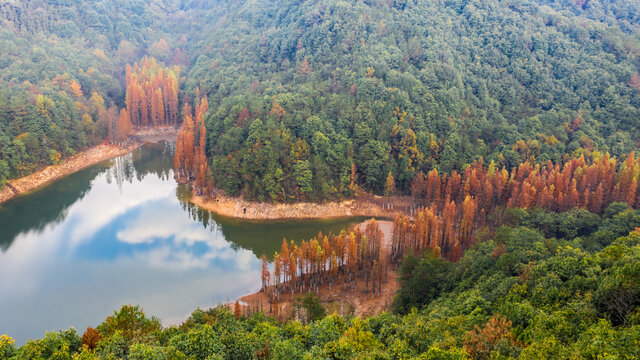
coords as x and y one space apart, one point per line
304 67
237 310
123 126
152 94
190 160
480 343
90 338
456 206
346 258
76 88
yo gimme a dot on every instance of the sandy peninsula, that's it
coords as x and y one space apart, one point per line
83 159
91 156
239 208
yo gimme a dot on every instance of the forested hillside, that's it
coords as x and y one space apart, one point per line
304 93
313 100
62 71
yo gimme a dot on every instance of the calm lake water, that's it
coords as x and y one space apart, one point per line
122 233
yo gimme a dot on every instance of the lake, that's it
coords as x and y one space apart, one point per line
123 232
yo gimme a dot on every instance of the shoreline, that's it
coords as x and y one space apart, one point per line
51 173
336 298
154 134
82 160
239 208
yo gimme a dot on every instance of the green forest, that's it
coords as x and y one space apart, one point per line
315 100
534 104
302 93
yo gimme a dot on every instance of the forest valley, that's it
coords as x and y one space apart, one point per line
457 211
317 102
451 210
510 127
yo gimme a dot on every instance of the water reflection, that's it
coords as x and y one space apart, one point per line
122 233
29 212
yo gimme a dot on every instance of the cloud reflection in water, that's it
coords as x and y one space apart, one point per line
75 251
127 241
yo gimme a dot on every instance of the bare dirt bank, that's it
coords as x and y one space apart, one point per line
73 164
155 134
242 209
85 159
339 299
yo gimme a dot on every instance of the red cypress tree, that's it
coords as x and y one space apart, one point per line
151 93
266 276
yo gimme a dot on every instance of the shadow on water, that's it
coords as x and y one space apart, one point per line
124 232
263 238
44 206
48 206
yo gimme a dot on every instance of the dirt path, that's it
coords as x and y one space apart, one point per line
155 134
241 209
387 230
73 164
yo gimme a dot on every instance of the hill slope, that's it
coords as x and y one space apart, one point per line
62 70
312 99
402 87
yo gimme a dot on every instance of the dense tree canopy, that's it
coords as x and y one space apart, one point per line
313 100
517 295
63 72
398 88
